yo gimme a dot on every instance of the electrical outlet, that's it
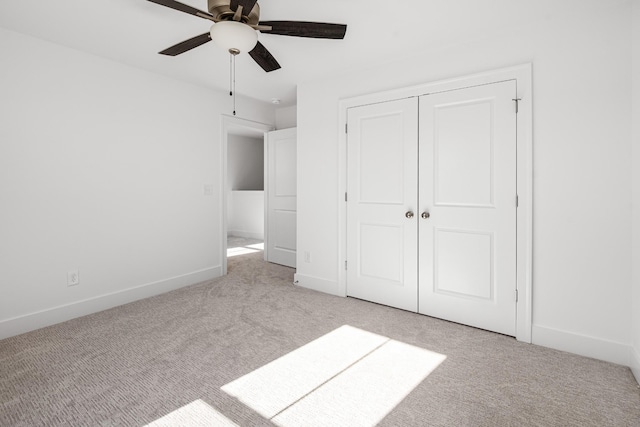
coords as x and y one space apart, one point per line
307 256
73 278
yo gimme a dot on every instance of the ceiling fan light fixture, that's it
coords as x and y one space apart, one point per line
234 35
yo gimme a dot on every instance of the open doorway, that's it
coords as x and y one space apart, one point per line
245 192
243 187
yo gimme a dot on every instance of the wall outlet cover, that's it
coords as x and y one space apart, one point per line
73 278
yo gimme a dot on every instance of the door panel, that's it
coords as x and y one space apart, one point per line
382 187
376 261
280 239
284 162
462 164
473 251
381 162
284 238
467 246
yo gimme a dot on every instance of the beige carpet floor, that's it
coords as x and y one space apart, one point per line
135 364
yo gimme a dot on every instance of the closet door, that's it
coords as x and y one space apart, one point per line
382 232
467 243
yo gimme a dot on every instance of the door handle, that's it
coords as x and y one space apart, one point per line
425 215
409 214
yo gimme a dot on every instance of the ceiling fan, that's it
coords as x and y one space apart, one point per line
235 27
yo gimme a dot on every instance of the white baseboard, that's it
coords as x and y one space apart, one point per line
635 363
32 321
583 345
317 284
246 234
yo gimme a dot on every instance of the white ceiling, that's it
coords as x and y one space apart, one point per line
133 31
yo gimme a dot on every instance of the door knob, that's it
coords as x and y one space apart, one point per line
409 214
425 215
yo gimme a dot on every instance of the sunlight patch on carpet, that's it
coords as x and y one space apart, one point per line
195 414
241 250
346 377
275 386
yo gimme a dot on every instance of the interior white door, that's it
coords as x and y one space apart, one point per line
467 244
382 189
281 184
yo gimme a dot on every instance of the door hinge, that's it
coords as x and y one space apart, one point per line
345 264
346 128
516 295
517 101
345 196
517 201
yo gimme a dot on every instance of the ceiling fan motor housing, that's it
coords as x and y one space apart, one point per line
221 11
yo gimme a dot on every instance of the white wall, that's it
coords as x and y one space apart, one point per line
102 169
245 162
636 190
582 168
245 179
246 214
286 117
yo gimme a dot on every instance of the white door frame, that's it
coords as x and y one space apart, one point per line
522 74
228 123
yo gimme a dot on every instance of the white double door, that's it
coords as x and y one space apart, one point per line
431 210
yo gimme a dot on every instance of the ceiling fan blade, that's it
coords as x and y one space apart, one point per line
317 30
184 8
247 5
263 57
186 45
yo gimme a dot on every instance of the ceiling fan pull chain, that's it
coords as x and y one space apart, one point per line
234 84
